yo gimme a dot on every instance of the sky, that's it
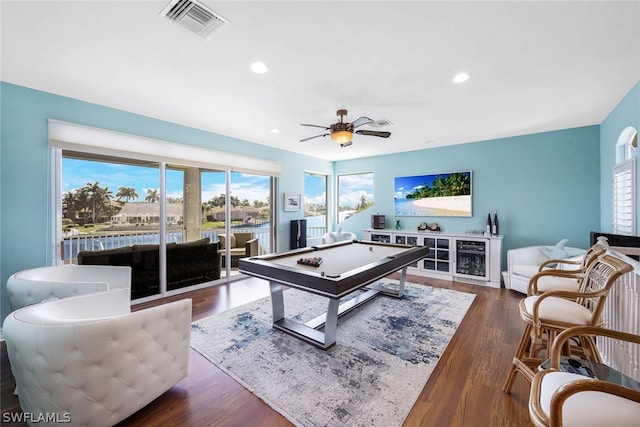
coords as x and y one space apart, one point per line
351 188
408 184
77 173
315 189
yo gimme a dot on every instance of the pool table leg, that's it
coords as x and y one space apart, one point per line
403 276
331 323
318 338
277 301
397 293
309 331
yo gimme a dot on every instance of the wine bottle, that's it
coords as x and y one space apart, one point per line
489 227
496 224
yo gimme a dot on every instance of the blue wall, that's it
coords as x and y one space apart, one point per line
544 186
626 113
25 187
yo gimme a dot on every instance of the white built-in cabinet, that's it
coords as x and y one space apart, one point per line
470 258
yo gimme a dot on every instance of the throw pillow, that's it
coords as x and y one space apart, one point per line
558 251
336 235
573 252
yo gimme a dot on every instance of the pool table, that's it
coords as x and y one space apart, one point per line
333 271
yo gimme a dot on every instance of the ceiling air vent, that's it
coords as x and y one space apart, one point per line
380 123
195 17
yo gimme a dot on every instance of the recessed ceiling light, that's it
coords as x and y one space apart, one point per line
461 77
274 130
259 67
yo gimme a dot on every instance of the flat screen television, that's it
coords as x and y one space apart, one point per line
618 242
441 194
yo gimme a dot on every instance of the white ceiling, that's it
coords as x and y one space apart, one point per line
534 66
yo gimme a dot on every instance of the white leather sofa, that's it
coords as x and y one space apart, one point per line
524 263
39 284
338 236
90 361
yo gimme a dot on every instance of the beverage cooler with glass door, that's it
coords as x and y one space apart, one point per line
471 259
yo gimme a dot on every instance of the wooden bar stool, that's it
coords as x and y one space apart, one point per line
564 279
563 398
550 313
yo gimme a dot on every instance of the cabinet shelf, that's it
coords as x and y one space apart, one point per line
474 259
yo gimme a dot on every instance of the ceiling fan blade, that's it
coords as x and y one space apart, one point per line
311 137
346 144
361 121
374 133
315 126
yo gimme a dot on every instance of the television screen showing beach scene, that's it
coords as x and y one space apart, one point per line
442 194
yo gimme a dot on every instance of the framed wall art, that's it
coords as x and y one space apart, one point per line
292 202
442 194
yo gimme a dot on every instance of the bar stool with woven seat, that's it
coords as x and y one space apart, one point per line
567 279
552 312
560 398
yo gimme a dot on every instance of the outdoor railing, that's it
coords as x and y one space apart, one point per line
316 232
73 244
622 313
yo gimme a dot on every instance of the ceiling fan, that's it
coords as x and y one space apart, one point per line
342 133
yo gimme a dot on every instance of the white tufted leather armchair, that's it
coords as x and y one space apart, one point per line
91 361
524 263
39 284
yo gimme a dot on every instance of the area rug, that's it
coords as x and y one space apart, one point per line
384 354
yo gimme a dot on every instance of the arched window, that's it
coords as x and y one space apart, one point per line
627 145
624 183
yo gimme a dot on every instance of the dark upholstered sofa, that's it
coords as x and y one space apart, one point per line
187 264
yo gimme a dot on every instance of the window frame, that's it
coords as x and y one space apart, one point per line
91 141
325 177
339 195
624 184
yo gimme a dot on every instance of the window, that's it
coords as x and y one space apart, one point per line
624 183
115 190
101 195
315 203
355 194
249 212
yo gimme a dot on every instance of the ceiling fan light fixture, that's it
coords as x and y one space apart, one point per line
342 132
341 136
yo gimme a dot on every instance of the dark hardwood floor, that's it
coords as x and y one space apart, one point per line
465 389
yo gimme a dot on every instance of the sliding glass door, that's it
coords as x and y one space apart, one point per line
237 213
149 211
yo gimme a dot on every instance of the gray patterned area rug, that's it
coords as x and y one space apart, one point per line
385 352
